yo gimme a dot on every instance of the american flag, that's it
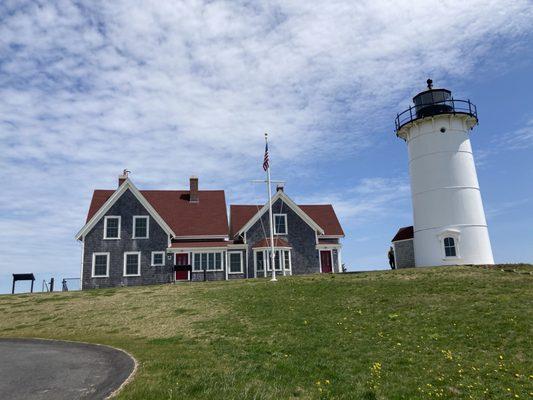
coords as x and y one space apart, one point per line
265 160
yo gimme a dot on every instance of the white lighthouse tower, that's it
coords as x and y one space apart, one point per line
449 221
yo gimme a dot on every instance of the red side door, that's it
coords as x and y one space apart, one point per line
182 259
325 260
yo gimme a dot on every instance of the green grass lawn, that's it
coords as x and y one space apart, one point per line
455 333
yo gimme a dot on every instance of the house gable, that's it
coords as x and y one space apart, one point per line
280 195
126 185
301 239
127 207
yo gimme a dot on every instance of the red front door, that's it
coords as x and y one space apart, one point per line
325 260
182 259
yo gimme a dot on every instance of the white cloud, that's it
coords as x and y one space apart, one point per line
169 88
370 199
520 138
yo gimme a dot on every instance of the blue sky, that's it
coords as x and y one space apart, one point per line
169 89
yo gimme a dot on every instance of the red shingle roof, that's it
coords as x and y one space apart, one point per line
404 233
240 215
322 214
278 242
207 217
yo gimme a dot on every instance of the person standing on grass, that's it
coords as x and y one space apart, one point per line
391 258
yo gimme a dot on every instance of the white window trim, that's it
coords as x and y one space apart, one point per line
222 256
455 245
152 259
456 235
126 253
276 226
147 218
266 256
290 262
241 271
255 262
119 226
107 269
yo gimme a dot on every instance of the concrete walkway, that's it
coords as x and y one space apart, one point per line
45 369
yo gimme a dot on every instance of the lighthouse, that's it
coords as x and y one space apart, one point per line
449 221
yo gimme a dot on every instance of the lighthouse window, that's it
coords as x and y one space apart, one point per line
449 247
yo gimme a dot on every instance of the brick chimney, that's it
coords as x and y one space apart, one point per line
123 177
193 194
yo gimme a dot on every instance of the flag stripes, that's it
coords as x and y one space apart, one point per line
265 160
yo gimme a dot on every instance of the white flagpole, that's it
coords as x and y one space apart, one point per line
272 254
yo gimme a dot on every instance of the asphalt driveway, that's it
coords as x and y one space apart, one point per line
45 370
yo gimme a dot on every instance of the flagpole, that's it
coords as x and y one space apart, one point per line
272 254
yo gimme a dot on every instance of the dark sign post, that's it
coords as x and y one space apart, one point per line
23 277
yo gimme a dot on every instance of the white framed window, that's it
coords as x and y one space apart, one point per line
276 260
211 261
132 263
287 263
259 260
158 258
449 242
141 226
282 260
450 249
235 262
112 227
280 224
100 268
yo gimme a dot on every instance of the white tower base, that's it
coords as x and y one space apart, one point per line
447 206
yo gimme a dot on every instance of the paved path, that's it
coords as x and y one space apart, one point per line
33 369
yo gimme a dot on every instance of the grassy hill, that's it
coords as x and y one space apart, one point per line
458 332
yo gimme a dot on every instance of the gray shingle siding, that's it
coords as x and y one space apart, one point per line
404 253
126 207
301 237
209 276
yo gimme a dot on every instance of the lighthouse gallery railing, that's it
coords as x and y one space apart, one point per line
450 106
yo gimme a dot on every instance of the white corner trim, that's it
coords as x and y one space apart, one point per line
82 259
147 218
127 184
126 253
119 226
108 256
281 194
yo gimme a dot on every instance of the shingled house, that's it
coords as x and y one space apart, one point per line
137 237
403 247
307 237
